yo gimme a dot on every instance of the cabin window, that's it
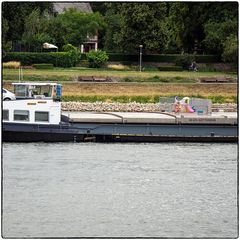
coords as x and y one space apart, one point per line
21 115
41 116
20 91
46 91
5 114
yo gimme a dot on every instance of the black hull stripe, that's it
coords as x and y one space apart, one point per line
63 137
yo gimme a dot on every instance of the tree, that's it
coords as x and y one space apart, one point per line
35 28
230 49
6 45
185 23
221 11
57 31
142 24
5 28
217 33
77 26
113 20
16 12
190 23
176 23
161 27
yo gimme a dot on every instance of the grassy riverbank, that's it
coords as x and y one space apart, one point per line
71 74
147 92
129 86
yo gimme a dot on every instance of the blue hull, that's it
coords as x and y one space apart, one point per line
80 132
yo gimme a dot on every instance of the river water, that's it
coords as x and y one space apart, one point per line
119 190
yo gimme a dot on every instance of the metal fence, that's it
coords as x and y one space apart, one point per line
200 106
203 106
166 104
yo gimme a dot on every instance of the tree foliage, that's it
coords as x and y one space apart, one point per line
78 25
161 27
134 24
35 28
6 45
230 49
113 20
15 14
172 27
217 32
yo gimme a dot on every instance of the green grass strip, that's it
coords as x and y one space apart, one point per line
141 99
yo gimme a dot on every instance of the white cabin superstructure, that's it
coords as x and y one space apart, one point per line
33 106
32 111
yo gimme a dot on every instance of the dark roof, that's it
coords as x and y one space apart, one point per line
59 7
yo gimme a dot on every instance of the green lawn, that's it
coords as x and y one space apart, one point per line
71 74
145 86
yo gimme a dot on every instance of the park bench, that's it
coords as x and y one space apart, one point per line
94 79
216 79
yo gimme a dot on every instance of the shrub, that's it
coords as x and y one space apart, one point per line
11 64
43 66
184 61
97 59
69 47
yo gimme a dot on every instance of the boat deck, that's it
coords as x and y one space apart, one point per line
219 118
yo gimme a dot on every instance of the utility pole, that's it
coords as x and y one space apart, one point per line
140 64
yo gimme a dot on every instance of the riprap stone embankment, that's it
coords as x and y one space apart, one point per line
132 107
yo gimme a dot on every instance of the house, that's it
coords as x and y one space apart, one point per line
59 7
92 41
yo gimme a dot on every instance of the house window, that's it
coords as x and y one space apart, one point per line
5 114
41 116
21 115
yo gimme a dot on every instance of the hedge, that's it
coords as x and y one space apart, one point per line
58 59
67 59
170 68
43 66
171 58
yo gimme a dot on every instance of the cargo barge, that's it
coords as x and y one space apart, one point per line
37 116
